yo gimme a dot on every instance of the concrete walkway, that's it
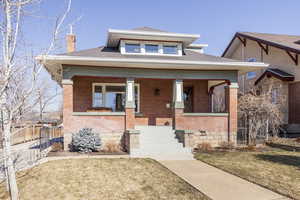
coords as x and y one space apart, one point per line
218 184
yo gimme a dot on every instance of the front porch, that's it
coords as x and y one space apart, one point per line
113 104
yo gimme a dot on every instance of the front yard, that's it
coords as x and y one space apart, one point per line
111 179
275 169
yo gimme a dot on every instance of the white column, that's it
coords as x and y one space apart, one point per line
130 93
178 94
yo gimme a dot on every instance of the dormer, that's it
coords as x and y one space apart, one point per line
148 41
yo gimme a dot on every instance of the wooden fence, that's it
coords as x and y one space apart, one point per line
26 134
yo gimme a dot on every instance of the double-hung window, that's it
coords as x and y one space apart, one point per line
132 48
112 96
170 49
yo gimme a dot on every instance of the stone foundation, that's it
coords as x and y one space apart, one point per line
193 138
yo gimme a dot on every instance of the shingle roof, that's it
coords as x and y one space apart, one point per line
286 42
149 29
277 73
188 55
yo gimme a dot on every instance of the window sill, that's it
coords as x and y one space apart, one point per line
206 114
98 113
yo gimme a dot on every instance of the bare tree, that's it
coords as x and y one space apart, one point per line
45 96
18 79
259 113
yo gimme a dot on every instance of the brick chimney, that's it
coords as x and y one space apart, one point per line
71 41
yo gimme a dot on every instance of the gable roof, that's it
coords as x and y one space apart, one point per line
277 73
289 43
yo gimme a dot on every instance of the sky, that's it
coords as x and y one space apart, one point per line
215 20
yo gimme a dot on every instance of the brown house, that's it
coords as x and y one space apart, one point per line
143 87
283 75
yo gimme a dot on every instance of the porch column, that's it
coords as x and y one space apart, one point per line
67 111
130 104
178 102
231 92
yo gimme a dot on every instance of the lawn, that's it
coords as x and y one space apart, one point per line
111 179
275 169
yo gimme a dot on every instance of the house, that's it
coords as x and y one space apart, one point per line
281 78
145 85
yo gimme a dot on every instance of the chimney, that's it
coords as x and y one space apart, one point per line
71 41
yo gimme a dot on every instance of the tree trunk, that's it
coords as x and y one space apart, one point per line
11 175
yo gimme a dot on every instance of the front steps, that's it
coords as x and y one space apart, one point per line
159 142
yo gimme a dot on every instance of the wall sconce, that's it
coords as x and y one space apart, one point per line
156 91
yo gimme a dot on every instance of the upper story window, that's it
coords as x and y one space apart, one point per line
132 48
251 75
151 48
251 60
168 49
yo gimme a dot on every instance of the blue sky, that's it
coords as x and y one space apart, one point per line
215 20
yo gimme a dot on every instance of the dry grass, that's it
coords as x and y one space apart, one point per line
275 169
112 179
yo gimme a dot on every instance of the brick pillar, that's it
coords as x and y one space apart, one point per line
231 92
178 103
130 104
67 111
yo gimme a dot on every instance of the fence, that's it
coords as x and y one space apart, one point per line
31 144
26 134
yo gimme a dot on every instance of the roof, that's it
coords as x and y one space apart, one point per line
277 73
149 29
286 42
102 52
150 34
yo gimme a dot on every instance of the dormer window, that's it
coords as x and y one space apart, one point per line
153 48
167 49
132 48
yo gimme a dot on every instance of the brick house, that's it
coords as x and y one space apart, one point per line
281 78
147 81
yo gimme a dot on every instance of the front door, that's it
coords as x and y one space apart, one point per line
188 99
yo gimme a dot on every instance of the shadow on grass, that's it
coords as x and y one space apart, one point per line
281 159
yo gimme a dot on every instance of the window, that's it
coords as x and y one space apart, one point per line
112 96
251 60
274 95
168 49
251 75
132 48
151 48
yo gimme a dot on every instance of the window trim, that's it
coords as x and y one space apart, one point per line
143 49
103 85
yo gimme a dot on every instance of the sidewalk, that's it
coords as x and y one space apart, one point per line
218 184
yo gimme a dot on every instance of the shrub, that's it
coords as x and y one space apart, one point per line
226 145
112 147
57 146
204 147
85 141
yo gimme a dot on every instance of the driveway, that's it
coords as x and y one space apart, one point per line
218 184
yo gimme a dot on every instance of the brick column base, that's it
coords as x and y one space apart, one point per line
231 92
132 140
177 118
129 118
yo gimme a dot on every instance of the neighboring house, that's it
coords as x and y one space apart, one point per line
147 78
282 77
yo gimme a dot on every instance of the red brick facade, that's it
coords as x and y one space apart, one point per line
156 96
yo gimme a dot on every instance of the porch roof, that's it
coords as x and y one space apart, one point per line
111 57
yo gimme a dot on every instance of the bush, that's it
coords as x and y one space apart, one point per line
204 147
85 141
226 145
112 147
57 146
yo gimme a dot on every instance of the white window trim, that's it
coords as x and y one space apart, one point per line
103 85
143 50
